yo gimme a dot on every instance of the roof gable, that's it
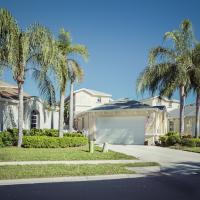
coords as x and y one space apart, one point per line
93 92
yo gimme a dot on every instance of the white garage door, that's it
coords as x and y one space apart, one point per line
120 130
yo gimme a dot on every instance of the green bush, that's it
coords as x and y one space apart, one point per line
53 142
197 141
173 139
189 142
172 133
163 140
7 139
1 142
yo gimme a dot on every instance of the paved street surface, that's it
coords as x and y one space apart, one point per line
151 187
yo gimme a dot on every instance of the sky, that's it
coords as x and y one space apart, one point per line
117 33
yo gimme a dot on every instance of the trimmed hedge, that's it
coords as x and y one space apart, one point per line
173 138
53 142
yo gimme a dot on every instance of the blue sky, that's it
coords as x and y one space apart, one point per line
118 34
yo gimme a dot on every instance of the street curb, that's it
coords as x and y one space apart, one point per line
68 179
69 162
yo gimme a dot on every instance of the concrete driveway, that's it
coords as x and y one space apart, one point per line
171 160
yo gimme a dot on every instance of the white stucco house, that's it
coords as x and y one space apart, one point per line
36 114
124 122
189 120
170 104
85 99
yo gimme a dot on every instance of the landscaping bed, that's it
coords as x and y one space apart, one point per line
185 142
70 153
38 171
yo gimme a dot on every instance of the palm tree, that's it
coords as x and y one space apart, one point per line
168 68
66 66
75 73
195 84
22 51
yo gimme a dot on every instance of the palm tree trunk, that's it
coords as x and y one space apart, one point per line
182 109
20 113
71 107
61 113
197 114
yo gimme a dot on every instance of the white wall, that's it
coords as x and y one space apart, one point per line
9 114
84 101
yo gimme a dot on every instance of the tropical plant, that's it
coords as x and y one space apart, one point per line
195 84
23 51
168 68
67 68
75 73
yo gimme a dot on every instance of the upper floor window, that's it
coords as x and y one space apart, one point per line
170 105
171 126
35 119
99 100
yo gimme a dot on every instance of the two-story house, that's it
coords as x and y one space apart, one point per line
85 99
170 104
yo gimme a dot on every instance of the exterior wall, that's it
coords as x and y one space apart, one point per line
84 101
156 121
189 125
9 114
169 104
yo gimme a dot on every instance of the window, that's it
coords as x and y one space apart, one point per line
171 126
99 100
170 105
83 123
35 119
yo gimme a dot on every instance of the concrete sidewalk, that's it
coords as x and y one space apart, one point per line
69 162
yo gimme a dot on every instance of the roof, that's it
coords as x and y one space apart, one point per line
94 92
125 104
10 91
190 111
164 98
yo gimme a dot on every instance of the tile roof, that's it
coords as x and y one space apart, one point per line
123 104
190 111
10 91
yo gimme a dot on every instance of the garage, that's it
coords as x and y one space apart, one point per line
120 130
123 122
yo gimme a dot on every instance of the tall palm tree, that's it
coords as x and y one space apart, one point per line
75 73
195 84
22 51
66 49
169 67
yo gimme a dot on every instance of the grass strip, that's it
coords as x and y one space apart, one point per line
38 171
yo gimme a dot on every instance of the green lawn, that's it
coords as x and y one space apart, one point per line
33 171
72 153
191 149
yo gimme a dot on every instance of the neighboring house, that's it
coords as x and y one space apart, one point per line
170 104
189 119
36 115
85 99
124 122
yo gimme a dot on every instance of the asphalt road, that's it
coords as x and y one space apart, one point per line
161 186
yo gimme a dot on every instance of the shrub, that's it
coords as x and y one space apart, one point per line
53 142
163 140
188 142
173 139
6 138
172 133
1 142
